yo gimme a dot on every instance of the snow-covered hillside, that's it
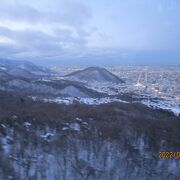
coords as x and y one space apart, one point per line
109 141
23 69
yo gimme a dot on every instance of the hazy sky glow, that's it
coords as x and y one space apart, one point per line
91 31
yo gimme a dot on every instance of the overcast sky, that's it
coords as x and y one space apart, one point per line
91 32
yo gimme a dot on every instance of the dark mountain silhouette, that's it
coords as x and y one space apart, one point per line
94 74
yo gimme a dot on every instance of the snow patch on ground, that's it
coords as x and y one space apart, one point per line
75 126
88 101
3 68
27 124
47 136
6 144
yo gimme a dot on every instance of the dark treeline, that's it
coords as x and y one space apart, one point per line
114 140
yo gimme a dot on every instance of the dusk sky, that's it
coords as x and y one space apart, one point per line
91 32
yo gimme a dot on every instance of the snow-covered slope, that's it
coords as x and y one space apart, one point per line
112 141
18 72
73 91
4 75
51 88
22 68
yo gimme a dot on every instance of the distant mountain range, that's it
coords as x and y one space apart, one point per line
25 77
23 69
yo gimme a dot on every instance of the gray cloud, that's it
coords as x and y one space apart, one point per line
77 29
53 31
72 14
19 12
36 43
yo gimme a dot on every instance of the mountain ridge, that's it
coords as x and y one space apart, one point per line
94 74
